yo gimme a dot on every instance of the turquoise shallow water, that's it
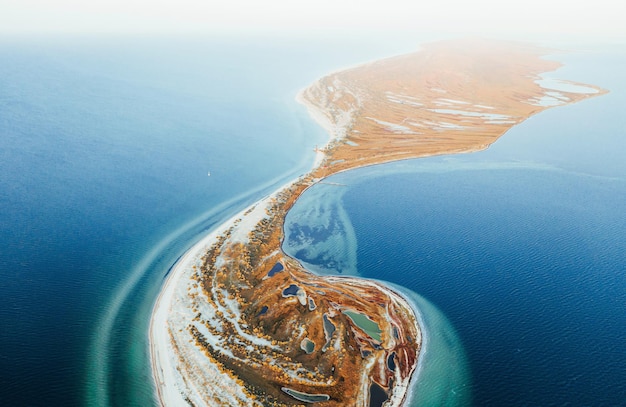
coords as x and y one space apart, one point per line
443 377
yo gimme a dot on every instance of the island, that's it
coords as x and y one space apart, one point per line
239 323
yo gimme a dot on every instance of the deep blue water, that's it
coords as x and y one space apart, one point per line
522 247
105 145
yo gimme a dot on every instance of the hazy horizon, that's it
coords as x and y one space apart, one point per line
553 20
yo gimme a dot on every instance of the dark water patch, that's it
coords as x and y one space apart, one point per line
329 327
320 235
291 291
391 361
306 397
378 395
262 311
307 345
278 267
395 332
329 330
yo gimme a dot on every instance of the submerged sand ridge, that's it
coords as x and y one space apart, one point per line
241 323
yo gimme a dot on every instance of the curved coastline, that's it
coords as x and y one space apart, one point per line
172 387
445 350
168 380
163 370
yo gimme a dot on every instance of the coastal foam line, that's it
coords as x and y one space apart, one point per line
168 379
98 386
171 387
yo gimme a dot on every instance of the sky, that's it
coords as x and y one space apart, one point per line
583 18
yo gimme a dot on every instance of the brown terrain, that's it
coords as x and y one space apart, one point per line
449 97
288 337
286 307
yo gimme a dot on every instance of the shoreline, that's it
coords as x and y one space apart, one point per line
162 368
166 377
165 351
180 269
166 391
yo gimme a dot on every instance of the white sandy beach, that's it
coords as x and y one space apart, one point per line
173 309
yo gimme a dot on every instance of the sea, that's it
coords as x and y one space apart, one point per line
117 154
